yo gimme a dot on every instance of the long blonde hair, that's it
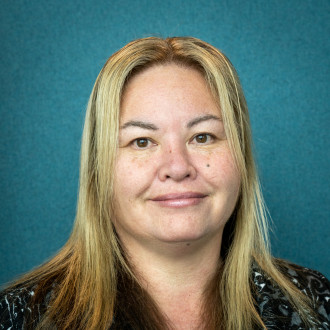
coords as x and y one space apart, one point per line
85 273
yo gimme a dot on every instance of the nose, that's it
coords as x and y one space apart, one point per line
176 164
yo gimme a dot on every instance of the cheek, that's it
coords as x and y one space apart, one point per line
132 175
220 170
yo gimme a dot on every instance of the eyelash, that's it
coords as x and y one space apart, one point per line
147 141
209 138
134 143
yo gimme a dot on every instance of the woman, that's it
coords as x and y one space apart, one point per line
170 231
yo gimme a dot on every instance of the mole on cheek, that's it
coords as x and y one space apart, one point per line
207 165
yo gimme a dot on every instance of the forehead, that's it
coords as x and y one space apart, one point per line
167 86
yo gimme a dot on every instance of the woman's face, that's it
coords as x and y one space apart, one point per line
175 177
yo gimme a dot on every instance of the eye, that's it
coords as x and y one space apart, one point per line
141 143
203 138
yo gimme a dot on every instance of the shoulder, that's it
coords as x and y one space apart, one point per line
273 304
311 282
16 307
314 285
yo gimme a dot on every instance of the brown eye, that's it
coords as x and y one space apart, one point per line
141 143
202 138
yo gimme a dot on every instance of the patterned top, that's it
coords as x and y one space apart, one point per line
273 307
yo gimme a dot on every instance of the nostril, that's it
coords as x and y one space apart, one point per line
188 175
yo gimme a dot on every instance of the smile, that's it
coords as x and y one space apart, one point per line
178 200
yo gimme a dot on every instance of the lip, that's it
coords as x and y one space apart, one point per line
178 200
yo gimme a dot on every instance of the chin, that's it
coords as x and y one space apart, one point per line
183 237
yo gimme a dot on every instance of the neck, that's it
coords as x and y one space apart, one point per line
176 276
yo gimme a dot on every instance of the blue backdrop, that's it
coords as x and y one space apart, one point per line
51 53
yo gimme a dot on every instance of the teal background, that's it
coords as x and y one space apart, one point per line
51 53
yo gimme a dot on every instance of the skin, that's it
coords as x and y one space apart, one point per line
176 185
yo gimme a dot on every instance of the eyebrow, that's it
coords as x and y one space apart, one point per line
200 119
150 126
141 124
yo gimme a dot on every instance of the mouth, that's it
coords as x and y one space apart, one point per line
178 200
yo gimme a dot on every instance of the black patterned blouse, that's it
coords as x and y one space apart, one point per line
274 308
